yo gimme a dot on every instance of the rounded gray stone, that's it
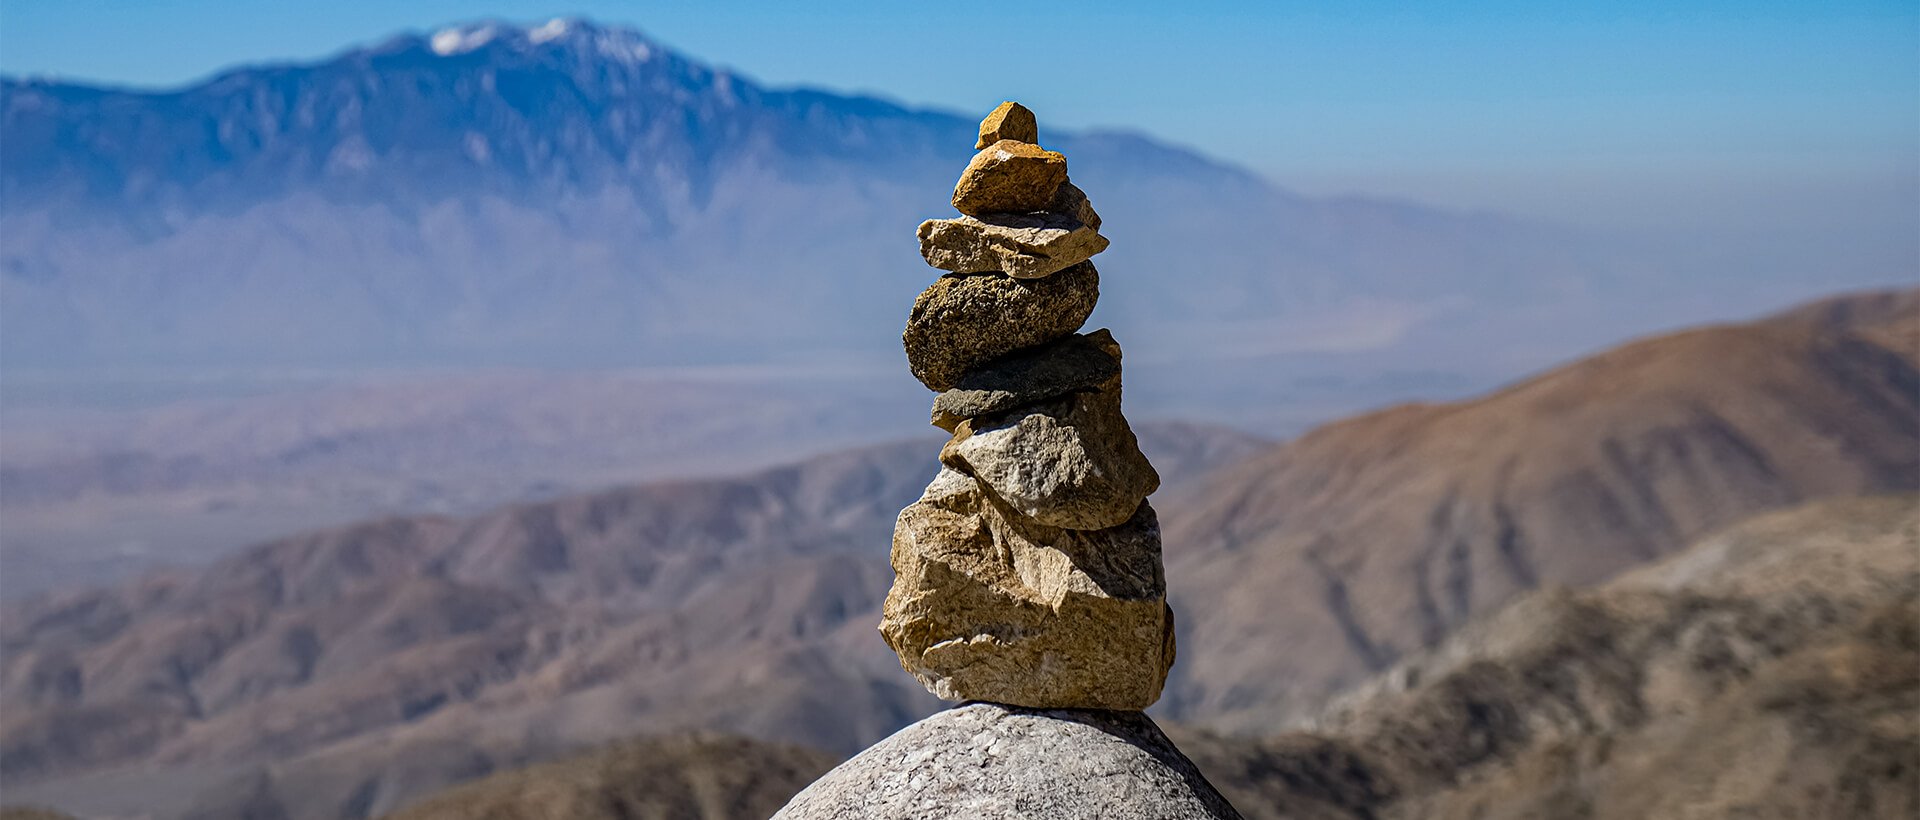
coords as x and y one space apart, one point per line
960 322
985 760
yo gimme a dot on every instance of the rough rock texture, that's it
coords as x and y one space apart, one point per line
1070 462
963 321
1771 670
985 760
1026 377
1074 203
1010 121
989 605
1024 246
1010 177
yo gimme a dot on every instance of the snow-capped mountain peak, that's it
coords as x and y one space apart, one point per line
610 42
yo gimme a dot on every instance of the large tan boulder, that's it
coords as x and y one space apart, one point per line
960 322
990 605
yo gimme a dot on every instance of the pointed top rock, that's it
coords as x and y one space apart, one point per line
1011 121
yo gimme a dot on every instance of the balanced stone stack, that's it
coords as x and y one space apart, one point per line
1029 573
1028 576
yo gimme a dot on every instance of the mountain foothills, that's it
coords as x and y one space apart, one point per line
1772 670
578 194
1377 536
697 777
1769 670
353 671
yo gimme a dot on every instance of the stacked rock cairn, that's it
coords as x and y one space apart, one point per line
1029 573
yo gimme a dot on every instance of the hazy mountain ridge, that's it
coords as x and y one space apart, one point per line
586 195
97 497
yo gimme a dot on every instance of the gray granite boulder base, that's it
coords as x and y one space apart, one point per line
984 761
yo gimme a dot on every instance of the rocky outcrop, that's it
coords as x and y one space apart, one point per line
985 760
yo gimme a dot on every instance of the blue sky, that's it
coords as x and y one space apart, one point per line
1724 114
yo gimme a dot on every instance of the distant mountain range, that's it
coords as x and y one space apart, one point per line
569 193
363 667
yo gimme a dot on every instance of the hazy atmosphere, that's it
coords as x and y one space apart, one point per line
497 409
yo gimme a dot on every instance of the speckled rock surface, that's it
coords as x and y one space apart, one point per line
990 605
1009 121
1070 462
1063 366
1074 203
1009 177
1024 246
985 761
963 321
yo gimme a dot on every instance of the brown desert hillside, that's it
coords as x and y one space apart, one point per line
1770 671
693 777
364 667
1305 569
1890 317
380 662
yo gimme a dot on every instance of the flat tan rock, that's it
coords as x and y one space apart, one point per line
1010 121
1010 177
1024 246
963 321
990 605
